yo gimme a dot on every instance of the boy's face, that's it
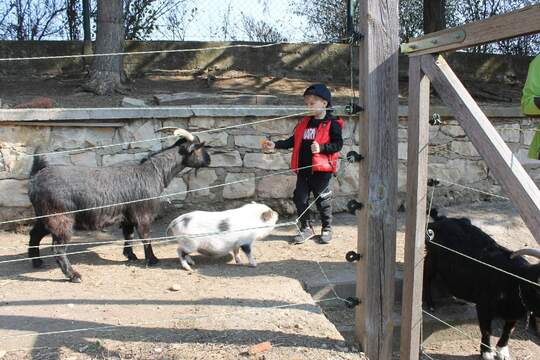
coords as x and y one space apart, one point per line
316 105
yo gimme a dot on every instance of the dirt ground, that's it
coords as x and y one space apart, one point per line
220 310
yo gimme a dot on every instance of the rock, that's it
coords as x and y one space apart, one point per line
14 193
2 354
275 161
175 287
177 185
259 348
87 158
214 139
347 180
229 159
249 141
40 102
239 190
76 138
203 179
202 123
146 131
276 187
131 102
510 132
463 148
124 159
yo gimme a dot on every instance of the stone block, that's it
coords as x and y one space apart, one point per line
132 102
347 179
145 131
276 187
201 179
177 185
77 138
528 136
275 161
214 139
281 126
202 123
17 164
228 159
239 190
453 131
87 158
463 148
510 132
123 159
459 171
26 136
14 193
248 141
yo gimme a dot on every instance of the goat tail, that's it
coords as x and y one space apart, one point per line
434 213
38 164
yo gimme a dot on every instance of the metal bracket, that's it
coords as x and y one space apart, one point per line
430 235
427 42
353 302
433 182
353 256
353 156
354 205
353 108
435 119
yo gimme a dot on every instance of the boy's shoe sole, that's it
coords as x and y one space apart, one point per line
299 239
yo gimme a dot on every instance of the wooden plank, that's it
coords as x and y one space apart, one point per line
378 177
503 164
417 169
516 23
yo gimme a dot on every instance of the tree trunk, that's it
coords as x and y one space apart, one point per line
106 71
434 15
86 27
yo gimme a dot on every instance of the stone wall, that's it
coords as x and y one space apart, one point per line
236 156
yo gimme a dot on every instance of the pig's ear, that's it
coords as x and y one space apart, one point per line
266 216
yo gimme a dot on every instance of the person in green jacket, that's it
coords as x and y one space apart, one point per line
530 102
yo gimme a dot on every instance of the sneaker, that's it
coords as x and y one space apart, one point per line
326 235
305 234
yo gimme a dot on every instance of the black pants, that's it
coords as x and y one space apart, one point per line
319 184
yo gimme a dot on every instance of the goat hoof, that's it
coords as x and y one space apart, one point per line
76 278
131 257
37 263
152 261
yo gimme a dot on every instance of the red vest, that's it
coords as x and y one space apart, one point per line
320 162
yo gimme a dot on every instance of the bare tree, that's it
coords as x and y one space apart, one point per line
434 15
259 30
178 21
107 71
227 27
87 33
73 19
32 19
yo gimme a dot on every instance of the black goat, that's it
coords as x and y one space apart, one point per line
59 189
496 294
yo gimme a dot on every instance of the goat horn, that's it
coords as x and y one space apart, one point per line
527 251
177 132
185 134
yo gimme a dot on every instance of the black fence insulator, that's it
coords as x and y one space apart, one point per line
433 182
354 205
353 302
352 109
353 256
430 235
353 156
357 37
435 119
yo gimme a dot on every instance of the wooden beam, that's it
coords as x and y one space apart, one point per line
516 23
378 177
503 164
417 169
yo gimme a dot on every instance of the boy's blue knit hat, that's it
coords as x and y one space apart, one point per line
321 91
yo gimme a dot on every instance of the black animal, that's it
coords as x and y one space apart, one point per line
59 189
496 294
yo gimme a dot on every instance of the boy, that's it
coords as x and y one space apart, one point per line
530 103
316 143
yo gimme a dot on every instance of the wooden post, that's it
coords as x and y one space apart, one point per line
502 163
417 161
378 177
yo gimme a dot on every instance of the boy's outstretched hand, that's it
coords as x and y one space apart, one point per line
267 145
315 147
